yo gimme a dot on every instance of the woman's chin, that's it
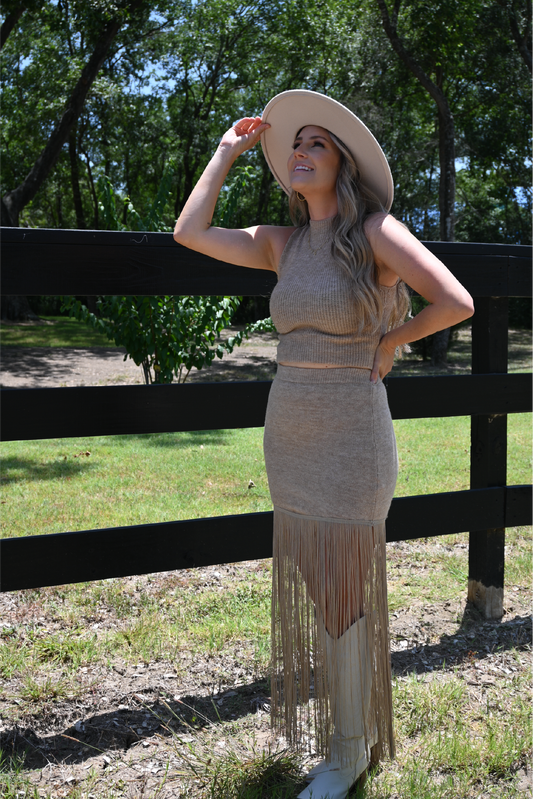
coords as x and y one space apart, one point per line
301 187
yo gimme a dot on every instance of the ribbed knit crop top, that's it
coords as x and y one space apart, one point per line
313 307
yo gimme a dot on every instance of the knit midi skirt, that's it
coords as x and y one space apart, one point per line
332 465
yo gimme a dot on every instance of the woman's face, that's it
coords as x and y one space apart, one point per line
314 163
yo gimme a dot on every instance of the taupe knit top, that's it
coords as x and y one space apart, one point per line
313 307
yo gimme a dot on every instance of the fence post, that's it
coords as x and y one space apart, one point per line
488 457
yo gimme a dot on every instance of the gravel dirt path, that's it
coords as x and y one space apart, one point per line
56 367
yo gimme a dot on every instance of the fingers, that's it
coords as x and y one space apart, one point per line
374 374
247 132
250 125
383 361
248 122
380 368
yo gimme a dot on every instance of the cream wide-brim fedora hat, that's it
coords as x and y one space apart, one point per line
290 111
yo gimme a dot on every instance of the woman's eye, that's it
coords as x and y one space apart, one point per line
317 144
295 145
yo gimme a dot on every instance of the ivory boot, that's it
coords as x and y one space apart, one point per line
348 662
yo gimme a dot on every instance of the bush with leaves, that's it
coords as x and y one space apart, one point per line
167 335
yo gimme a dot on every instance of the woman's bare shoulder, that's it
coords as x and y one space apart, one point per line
376 223
277 236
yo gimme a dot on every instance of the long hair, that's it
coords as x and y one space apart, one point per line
350 245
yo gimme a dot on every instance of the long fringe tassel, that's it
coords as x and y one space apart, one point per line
327 574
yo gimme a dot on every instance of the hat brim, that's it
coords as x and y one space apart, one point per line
290 111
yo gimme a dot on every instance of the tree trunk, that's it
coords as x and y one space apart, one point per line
18 198
267 181
439 347
446 153
75 180
9 23
6 218
447 166
441 339
445 120
522 39
16 308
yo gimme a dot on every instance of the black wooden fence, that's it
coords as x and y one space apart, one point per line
50 262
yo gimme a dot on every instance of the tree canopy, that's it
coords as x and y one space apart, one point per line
120 89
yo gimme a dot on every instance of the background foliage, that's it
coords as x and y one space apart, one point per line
169 335
179 73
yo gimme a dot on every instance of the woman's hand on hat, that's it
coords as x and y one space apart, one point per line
243 135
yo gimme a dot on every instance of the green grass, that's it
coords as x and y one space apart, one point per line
53 485
451 747
58 331
58 485
139 626
13 782
435 453
247 775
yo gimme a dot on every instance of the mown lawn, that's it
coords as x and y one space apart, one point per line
58 485
55 331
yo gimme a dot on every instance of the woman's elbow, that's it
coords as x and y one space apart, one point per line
468 306
464 307
180 234
189 234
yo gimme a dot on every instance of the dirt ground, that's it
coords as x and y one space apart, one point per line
56 367
116 727
119 722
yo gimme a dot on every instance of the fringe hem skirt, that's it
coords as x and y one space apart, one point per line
332 465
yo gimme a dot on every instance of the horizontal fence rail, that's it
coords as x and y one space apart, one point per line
56 559
49 262
31 413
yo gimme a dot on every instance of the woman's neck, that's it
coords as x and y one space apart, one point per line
322 207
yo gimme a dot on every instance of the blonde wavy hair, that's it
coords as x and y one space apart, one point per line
350 245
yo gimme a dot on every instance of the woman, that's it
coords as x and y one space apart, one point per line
330 451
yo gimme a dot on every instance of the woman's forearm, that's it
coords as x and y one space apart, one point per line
431 319
195 219
198 211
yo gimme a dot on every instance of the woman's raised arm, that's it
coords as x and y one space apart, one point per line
257 247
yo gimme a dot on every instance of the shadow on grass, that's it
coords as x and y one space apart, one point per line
37 470
155 713
471 643
193 438
520 349
118 730
254 367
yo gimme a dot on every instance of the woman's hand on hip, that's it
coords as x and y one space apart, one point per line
243 135
383 361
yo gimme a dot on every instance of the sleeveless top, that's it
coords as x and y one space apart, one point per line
313 307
